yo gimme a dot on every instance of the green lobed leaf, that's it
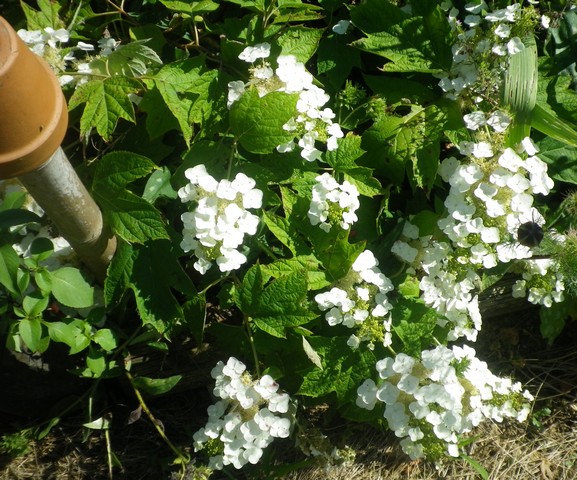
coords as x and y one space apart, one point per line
339 256
316 278
130 217
285 232
257 122
414 323
176 84
138 268
554 318
276 306
344 369
561 159
106 101
301 42
420 43
46 16
129 60
71 289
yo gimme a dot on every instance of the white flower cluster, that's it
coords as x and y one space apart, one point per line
490 198
249 416
542 283
446 282
47 44
215 228
361 303
312 122
484 37
429 402
333 203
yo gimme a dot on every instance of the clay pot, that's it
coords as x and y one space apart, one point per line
33 111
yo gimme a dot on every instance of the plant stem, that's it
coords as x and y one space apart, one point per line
181 457
245 321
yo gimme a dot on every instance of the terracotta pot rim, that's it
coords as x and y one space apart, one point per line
35 114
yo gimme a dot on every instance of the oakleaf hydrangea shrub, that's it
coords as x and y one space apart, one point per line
370 249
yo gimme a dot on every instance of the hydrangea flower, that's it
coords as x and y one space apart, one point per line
431 401
362 305
313 122
215 228
248 417
333 203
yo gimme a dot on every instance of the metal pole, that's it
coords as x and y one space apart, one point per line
59 191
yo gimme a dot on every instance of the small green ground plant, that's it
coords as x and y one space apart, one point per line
344 179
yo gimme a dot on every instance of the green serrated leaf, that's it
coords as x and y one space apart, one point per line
138 268
344 369
301 42
282 229
175 83
130 217
257 122
195 315
316 278
414 323
554 318
276 306
420 43
106 101
129 60
46 16
71 289
156 386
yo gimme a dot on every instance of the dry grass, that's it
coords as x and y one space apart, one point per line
543 450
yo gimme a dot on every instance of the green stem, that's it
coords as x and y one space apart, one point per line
181 457
245 321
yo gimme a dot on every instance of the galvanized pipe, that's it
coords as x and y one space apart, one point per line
59 191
